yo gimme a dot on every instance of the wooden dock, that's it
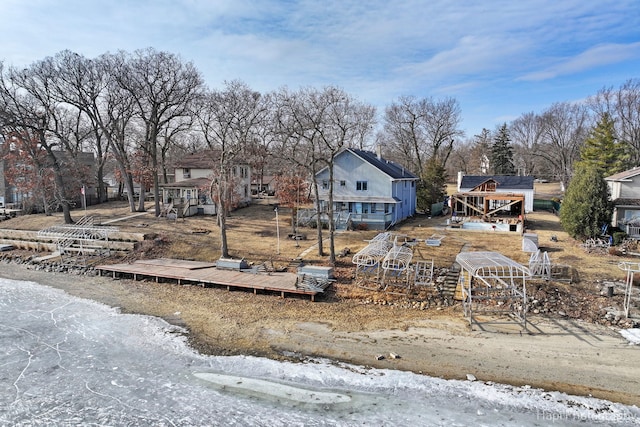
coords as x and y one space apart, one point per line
205 274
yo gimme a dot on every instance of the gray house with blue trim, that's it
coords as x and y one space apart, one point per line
368 191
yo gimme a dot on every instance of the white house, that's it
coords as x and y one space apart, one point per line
625 194
368 189
193 175
500 190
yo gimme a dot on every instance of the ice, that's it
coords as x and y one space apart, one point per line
69 361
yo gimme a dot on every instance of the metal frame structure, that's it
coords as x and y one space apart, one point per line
81 238
492 284
397 266
541 267
423 273
631 268
368 259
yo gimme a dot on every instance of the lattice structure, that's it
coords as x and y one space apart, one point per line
423 273
368 260
631 268
541 267
492 284
81 239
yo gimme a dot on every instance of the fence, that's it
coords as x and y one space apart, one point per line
546 205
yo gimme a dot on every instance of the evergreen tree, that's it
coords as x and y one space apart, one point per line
432 185
603 150
586 206
502 153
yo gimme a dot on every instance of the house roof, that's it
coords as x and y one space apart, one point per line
621 176
504 182
204 159
627 202
188 183
394 170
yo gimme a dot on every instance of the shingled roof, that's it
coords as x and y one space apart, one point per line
509 182
621 176
394 170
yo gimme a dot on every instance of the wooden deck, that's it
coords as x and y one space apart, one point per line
204 274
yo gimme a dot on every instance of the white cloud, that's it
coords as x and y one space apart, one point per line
597 56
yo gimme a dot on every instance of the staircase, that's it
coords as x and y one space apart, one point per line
451 281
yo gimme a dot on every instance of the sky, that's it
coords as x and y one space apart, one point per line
498 58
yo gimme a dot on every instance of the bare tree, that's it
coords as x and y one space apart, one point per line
81 84
623 105
30 108
564 129
229 120
313 127
163 89
418 130
526 132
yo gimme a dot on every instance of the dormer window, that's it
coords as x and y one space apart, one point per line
186 173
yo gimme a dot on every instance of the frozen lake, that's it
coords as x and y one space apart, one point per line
69 361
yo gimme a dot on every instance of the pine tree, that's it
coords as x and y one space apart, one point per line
432 185
502 153
586 206
603 150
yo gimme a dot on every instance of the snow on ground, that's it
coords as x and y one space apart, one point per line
632 335
72 361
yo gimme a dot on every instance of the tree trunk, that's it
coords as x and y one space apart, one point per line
332 226
318 219
141 200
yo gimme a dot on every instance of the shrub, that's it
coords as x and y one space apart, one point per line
618 237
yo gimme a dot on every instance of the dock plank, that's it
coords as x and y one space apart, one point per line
180 263
205 274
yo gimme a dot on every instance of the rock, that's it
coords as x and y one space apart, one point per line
380 357
471 377
394 356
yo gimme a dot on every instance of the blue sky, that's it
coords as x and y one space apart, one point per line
498 58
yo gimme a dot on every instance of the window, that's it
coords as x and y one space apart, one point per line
361 185
325 184
343 183
186 173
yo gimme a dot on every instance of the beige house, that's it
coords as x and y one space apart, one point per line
189 194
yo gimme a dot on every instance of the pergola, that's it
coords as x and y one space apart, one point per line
492 284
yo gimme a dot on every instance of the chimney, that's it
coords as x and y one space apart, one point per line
379 151
460 175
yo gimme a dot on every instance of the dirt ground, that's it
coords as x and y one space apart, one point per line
569 345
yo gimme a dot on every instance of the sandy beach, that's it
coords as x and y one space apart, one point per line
563 355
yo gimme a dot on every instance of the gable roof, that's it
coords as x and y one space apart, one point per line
205 159
621 176
394 170
510 182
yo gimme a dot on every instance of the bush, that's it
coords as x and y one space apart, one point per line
618 237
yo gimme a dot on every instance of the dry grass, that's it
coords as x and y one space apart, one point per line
252 234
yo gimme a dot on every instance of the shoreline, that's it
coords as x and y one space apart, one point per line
569 356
